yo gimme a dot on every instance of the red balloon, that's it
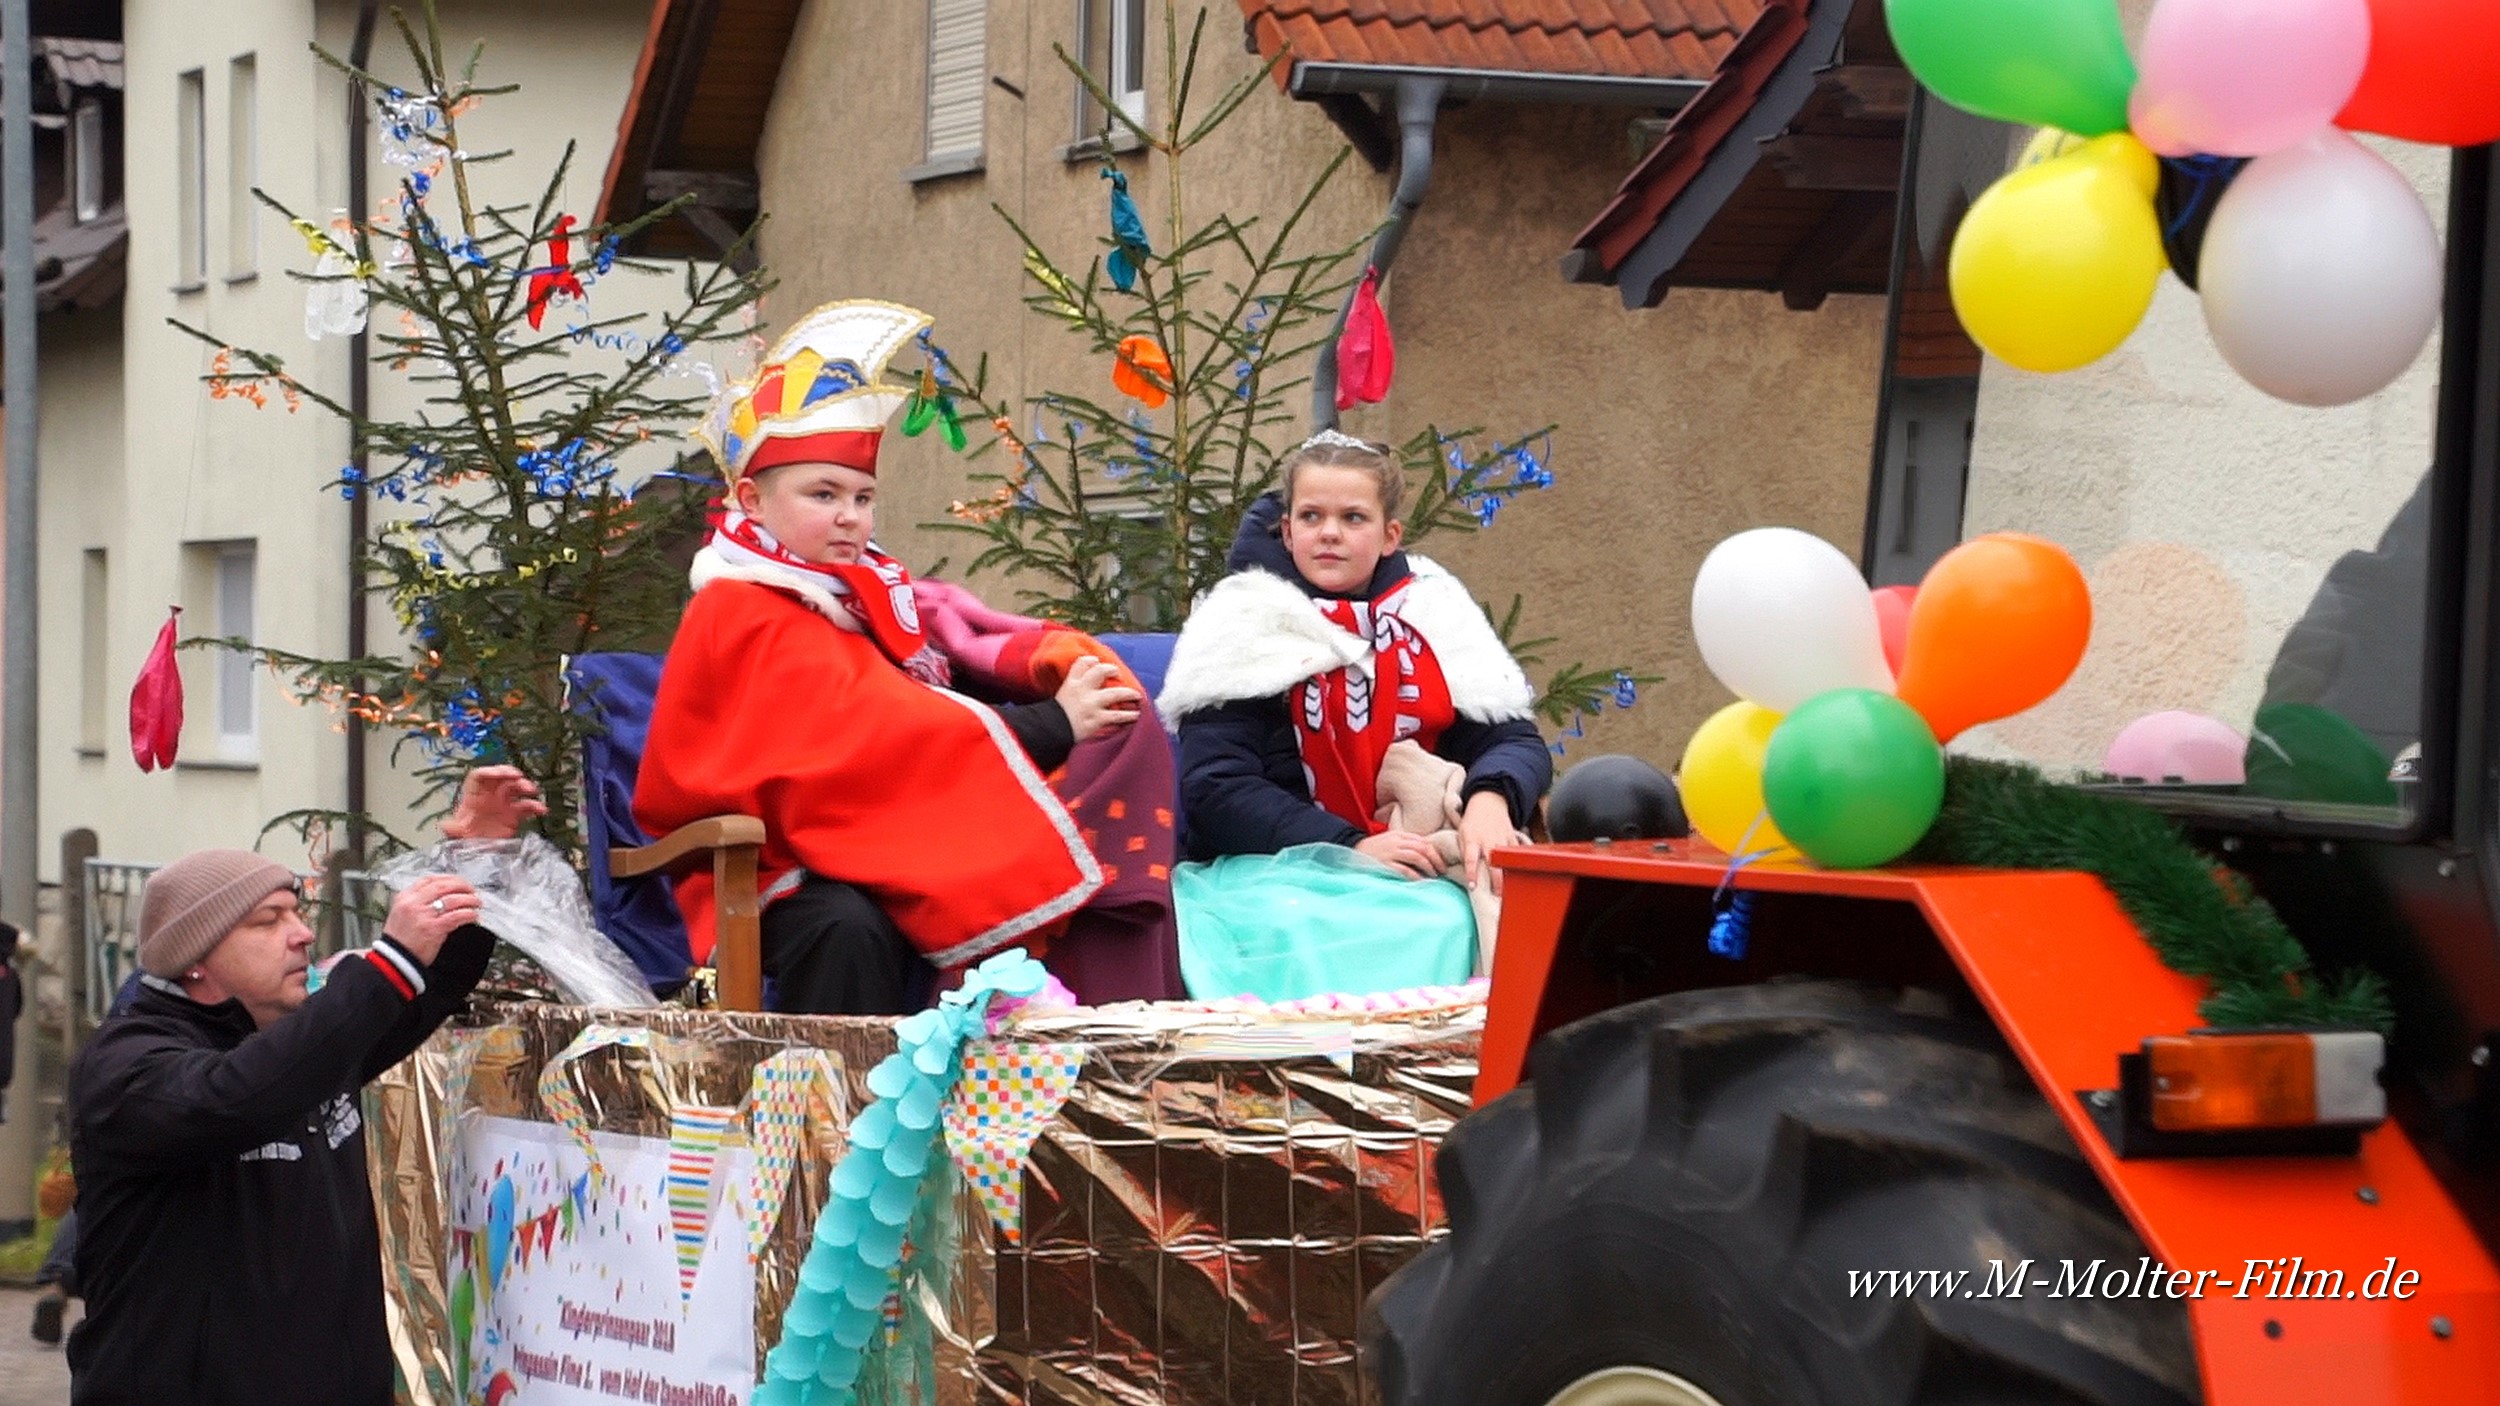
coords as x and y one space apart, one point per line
1892 618
2434 73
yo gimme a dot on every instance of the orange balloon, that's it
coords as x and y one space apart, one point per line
1142 369
1998 625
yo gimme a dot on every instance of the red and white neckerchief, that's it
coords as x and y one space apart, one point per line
875 590
1346 720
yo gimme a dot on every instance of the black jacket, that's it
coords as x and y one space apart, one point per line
227 1247
1242 784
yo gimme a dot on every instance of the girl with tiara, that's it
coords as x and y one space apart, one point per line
1292 687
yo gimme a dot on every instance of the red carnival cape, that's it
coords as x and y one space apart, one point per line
918 796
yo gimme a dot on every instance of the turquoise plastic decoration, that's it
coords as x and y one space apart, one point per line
854 1262
1315 919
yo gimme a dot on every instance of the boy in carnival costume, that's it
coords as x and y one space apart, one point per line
1289 685
907 826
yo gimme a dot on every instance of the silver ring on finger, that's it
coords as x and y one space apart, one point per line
436 905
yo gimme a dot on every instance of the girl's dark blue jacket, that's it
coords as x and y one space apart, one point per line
1242 786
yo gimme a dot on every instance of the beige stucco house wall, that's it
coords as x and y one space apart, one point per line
140 463
1677 426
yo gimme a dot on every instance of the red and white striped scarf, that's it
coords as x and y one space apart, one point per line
875 590
1346 720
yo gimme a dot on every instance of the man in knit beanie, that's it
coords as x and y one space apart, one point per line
227 1248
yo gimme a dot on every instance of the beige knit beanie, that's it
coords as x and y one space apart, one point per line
192 903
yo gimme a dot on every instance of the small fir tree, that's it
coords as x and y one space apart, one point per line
1116 513
513 538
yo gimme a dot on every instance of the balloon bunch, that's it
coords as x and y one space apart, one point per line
1831 752
2318 267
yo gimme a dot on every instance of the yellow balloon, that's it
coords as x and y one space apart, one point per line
2056 264
1722 779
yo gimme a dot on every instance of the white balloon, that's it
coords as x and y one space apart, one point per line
1783 615
2320 273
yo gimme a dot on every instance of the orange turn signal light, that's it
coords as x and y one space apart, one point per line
2298 1079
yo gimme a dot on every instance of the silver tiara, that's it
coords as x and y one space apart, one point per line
1332 438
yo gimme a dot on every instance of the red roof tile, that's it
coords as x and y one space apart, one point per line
1609 38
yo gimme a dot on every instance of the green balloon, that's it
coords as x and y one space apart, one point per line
2302 752
2047 63
1853 778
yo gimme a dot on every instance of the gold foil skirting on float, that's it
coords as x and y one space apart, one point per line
1202 1220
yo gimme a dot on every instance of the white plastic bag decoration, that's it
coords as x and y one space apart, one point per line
335 305
533 900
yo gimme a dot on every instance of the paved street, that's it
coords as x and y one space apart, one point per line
30 1373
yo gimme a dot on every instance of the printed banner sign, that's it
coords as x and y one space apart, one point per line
565 1287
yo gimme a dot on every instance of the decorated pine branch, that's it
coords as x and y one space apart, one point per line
2203 921
1112 506
508 531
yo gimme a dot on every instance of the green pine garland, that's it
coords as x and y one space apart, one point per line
2202 920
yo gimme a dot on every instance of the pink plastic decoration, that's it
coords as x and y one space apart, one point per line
2178 747
1367 356
156 702
2246 77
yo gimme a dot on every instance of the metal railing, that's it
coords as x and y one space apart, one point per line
347 913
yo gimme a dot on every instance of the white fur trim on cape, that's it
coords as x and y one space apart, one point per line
711 566
1256 635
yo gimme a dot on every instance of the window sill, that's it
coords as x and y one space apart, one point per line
196 287
214 764
1123 142
237 279
944 168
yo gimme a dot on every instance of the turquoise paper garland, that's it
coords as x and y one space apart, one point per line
853 1265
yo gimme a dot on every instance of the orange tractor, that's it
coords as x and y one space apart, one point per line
1959 1135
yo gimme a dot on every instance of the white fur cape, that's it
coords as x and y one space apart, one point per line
1256 635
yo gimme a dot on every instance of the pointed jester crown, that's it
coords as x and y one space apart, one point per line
819 396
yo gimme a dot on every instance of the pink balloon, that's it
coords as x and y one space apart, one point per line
2246 77
2182 747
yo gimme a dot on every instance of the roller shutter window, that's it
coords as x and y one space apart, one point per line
958 77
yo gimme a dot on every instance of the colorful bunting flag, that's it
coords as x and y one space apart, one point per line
694 1139
1005 1098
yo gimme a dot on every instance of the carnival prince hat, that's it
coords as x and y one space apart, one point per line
819 396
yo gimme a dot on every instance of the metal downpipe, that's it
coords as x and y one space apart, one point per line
359 404
1419 106
19 722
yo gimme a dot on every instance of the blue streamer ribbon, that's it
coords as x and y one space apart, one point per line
2210 175
1731 923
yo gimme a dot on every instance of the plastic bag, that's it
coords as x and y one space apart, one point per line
1316 919
533 900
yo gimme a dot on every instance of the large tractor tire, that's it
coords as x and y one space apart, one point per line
1669 1214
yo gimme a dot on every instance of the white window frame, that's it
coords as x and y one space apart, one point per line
86 160
191 179
955 107
94 639
235 590
1126 60
1106 32
242 167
